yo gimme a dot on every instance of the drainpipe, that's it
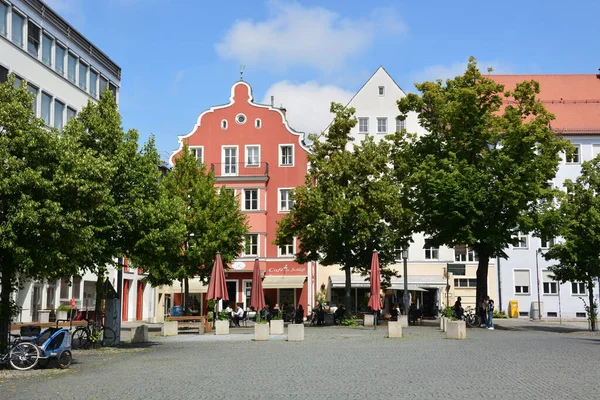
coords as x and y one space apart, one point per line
499 283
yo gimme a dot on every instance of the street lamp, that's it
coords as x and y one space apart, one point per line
537 275
406 295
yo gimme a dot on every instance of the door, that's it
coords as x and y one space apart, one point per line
36 302
230 161
287 296
125 299
232 293
139 311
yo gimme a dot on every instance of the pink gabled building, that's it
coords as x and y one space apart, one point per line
252 149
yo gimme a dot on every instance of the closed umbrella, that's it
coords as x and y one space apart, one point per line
217 287
374 299
257 296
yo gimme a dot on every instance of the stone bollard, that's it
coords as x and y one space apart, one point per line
222 327
170 328
276 327
446 321
368 320
295 332
140 334
442 323
456 330
403 320
261 332
394 329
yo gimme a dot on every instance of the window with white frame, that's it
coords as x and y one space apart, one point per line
578 288
522 241
550 285
521 281
463 253
595 150
18 24
34 91
252 156
71 67
198 153
3 74
103 84
251 245
286 153
33 38
381 90
83 69
224 124
574 158
382 125
287 249
547 242
400 125
59 60
257 123
431 252
71 113
59 112
47 50
250 199
465 282
93 83
46 108
3 19
285 200
363 125
248 292
230 160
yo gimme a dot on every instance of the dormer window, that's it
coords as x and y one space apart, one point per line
224 124
381 90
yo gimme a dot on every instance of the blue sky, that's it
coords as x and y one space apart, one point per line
179 57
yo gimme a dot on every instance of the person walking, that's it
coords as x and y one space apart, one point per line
482 311
490 313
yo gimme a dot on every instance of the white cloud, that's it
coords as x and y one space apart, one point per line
307 103
295 35
444 72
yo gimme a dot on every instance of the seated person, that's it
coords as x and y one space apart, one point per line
299 317
419 314
458 310
338 316
266 313
395 312
238 315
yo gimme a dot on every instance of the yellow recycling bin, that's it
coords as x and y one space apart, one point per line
513 309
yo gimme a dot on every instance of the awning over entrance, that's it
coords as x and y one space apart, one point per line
415 282
196 286
283 282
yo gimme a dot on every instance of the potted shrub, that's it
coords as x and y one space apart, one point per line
222 323
261 328
63 311
277 323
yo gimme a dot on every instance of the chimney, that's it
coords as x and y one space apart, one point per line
272 100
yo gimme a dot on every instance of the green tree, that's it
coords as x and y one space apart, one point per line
50 187
480 173
212 223
349 206
579 255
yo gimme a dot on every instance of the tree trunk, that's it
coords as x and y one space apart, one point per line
592 309
482 277
5 308
348 291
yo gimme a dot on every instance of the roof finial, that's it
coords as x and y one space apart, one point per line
242 68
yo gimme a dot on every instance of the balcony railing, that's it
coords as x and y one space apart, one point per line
232 170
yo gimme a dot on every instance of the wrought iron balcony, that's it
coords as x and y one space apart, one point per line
240 171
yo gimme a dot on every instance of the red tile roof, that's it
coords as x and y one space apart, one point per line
573 99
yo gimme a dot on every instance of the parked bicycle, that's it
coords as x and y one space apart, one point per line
471 317
95 334
20 355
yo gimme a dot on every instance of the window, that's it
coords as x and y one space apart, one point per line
546 243
18 82
463 253
287 155
46 106
18 22
76 289
230 161
198 153
381 90
521 281
70 114
363 125
83 69
251 245
71 67
400 125
286 203
257 123
224 124
3 19
595 150
465 282
59 111
59 60
33 39
522 241
240 119
580 315
381 125
93 83
574 158
32 89
287 249
250 199
64 289
578 288
252 156
431 253
550 285
47 50
103 84
3 74
113 89
247 292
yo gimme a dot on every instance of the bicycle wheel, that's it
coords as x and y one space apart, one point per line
64 359
24 356
472 320
80 338
108 336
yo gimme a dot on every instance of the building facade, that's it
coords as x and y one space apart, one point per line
575 102
252 150
64 71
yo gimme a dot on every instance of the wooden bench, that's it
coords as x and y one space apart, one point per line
191 321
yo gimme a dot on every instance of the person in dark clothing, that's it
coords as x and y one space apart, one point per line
458 310
299 318
338 316
395 312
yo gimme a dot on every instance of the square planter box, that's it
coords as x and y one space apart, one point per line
170 328
222 327
295 332
395 329
261 332
277 327
63 315
369 320
403 319
456 330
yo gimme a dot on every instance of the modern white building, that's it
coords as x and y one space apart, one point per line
575 102
64 70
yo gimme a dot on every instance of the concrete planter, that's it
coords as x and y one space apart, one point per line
222 327
62 314
403 319
140 334
170 328
295 332
276 327
261 332
368 320
456 330
446 321
395 329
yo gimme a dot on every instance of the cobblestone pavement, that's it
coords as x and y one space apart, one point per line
332 362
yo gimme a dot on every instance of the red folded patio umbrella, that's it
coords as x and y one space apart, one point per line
375 300
217 288
257 296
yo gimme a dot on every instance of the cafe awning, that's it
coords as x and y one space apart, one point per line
415 282
283 282
196 286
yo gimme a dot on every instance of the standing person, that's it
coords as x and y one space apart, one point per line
482 311
299 314
458 310
490 313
